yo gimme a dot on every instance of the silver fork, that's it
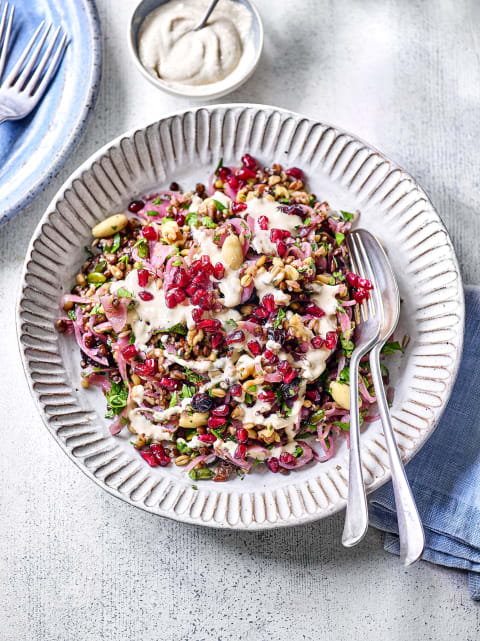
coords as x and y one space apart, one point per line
24 86
5 31
385 293
367 334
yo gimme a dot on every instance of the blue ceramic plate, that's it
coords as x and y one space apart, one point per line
34 149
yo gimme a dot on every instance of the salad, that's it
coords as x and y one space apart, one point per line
219 323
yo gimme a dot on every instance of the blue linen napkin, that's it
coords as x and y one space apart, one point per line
445 474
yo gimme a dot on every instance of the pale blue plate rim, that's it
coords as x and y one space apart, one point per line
47 173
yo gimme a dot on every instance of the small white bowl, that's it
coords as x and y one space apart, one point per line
246 67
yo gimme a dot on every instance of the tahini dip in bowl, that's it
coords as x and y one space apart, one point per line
208 63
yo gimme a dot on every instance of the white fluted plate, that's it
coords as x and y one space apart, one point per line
185 147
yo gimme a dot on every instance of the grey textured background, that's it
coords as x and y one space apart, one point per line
79 564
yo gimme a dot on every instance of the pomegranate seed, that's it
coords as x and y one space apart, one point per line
261 312
219 271
263 222
238 207
236 390
147 368
135 206
294 210
272 464
170 299
268 301
314 310
180 219
217 339
295 172
279 234
209 324
360 295
197 295
284 367
235 337
145 296
288 378
179 294
200 280
179 277
143 275
149 233
197 314
241 435
267 395
364 283
313 395
169 383
281 248
221 410
241 451
331 340
246 174
159 454
317 342
287 458
352 279
223 173
150 458
249 161
190 290
254 347
207 301
129 352
216 421
207 438
270 357
233 181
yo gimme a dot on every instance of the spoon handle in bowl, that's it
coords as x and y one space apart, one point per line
410 529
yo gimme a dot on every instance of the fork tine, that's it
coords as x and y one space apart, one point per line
364 307
366 271
23 77
355 268
30 87
6 39
51 67
16 69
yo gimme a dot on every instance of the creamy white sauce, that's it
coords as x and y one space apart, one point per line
277 219
325 297
264 285
170 49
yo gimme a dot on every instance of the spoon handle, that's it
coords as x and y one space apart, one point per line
205 18
410 529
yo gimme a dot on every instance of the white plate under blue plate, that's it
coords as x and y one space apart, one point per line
34 149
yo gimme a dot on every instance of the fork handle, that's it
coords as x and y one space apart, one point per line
410 529
356 517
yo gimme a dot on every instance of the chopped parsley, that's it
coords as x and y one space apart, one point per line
71 314
124 293
192 376
392 347
116 244
173 400
220 206
219 166
339 238
159 200
347 216
280 316
347 345
187 391
208 222
344 375
177 329
298 451
152 213
192 220
116 399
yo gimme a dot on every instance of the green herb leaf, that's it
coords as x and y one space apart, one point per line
173 400
220 206
124 293
160 200
192 376
345 375
298 451
342 425
347 216
311 201
208 222
131 339
177 263
116 244
280 316
219 166
192 220
392 347
347 345
151 212
339 238
71 314
123 259
178 329
116 399
248 398
187 391
182 446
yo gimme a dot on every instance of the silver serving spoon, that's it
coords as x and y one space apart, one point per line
410 530
205 18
